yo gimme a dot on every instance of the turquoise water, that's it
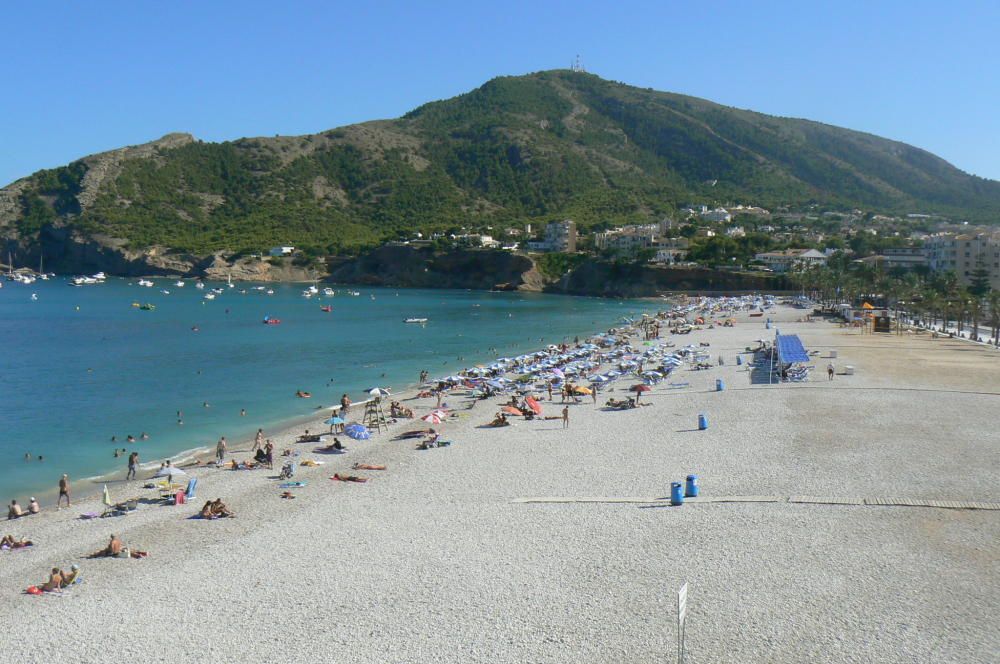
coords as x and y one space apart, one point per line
81 365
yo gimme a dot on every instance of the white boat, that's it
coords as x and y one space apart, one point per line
354 293
34 296
179 284
200 285
165 291
218 291
209 296
269 291
229 281
146 283
415 320
329 292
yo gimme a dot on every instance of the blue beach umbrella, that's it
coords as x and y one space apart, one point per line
357 432
334 420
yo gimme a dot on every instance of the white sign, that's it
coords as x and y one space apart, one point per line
682 601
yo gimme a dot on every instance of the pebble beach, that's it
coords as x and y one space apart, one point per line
535 543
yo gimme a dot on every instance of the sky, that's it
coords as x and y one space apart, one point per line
79 78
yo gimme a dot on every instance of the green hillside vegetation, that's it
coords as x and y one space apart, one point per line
530 148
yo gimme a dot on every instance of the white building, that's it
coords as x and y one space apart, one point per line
782 261
735 231
561 235
965 253
718 215
281 251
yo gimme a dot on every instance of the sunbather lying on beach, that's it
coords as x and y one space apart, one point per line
8 542
215 509
242 465
308 438
367 466
413 434
348 478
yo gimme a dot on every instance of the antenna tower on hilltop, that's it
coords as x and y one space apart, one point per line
576 66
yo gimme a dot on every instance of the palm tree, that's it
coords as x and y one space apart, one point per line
993 300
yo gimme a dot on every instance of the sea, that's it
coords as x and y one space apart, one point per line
82 368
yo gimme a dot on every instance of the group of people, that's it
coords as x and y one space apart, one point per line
215 509
398 410
58 579
16 511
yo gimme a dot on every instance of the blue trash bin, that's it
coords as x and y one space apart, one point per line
702 422
739 360
691 488
719 385
676 493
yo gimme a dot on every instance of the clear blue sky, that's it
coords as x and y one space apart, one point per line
81 77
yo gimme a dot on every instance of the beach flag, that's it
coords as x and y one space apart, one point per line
107 496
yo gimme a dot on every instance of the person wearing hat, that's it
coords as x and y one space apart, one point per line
63 491
33 507
72 577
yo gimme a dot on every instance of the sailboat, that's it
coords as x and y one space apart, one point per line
229 280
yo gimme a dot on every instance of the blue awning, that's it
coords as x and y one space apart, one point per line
790 349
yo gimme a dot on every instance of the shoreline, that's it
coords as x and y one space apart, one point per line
89 487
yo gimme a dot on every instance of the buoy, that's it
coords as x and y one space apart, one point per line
691 488
676 493
702 422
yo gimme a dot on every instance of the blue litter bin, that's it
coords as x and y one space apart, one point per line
739 360
702 422
767 325
691 488
719 385
676 493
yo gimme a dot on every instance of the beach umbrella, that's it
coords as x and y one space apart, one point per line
640 388
582 390
334 420
535 407
378 392
511 410
107 497
440 412
357 432
168 471
433 418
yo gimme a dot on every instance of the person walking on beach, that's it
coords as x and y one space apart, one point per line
345 405
258 440
133 464
565 414
220 449
829 371
63 491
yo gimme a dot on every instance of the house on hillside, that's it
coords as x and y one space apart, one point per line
782 261
277 252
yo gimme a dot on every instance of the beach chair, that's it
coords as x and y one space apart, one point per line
189 492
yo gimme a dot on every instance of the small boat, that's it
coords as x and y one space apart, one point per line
269 291
326 307
146 283
415 320
165 291
271 321
209 296
34 296
218 291
329 292
200 285
179 283
229 281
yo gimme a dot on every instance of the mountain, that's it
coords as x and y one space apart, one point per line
535 147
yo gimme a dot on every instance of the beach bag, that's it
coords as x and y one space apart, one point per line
33 590
125 553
